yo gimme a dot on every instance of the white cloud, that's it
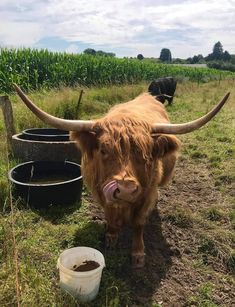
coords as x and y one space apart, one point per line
20 33
186 27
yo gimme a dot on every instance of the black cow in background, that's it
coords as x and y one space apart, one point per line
163 89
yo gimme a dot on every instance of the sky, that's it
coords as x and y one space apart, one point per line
125 27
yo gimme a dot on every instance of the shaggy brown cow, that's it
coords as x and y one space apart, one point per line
126 155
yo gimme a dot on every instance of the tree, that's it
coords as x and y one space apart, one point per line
226 56
140 56
165 55
217 51
106 54
111 54
90 51
196 59
100 53
200 58
189 60
218 54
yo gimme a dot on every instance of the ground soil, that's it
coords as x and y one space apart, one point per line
170 277
86 266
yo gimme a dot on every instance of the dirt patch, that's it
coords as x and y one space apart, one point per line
86 266
176 269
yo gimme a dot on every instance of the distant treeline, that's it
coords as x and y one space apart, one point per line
218 59
222 66
35 69
91 51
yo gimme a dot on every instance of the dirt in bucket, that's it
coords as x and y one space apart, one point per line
87 265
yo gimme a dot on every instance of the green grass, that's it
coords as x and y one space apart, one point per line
213 143
42 235
203 298
214 214
180 217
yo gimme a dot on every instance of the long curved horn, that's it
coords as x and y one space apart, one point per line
64 124
190 126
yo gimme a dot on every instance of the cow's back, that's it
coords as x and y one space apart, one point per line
143 108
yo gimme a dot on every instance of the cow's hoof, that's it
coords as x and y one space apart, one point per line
110 240
138 260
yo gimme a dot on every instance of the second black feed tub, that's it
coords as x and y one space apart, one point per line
46 134
47 183
28 147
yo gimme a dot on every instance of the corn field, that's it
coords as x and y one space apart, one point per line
34 69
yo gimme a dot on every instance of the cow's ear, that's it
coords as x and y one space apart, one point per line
86 141
165 144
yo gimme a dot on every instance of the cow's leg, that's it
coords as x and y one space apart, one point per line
168 168
170 100
137 253
139 220
111 236
114 223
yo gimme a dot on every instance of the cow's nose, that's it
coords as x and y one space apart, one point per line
125 189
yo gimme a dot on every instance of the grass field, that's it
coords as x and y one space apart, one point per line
189 237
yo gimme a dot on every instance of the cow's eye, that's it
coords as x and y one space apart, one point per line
103 152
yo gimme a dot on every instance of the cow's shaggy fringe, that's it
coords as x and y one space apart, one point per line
127 134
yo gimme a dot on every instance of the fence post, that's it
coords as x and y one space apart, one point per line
6 107
78 104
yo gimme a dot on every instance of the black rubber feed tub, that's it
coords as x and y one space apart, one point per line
46 134
26 148
45 183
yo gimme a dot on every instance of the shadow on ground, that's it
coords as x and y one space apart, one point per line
142 283
145 282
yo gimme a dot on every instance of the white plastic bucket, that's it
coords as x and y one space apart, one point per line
82 285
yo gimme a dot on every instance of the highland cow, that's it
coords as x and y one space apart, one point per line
126 155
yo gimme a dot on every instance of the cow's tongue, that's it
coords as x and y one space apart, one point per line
109 189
